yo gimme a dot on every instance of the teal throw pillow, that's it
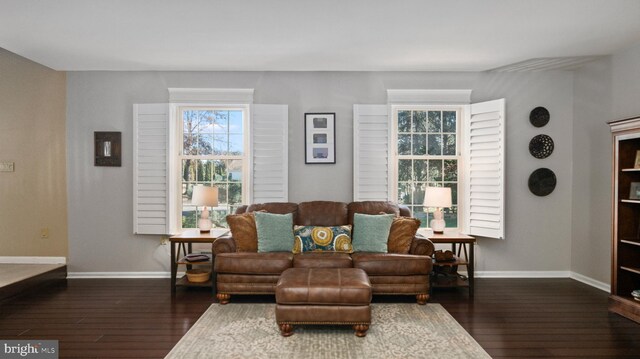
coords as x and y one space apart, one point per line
275 232
371 232
322 239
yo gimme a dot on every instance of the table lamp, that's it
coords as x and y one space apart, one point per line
437 197
208 197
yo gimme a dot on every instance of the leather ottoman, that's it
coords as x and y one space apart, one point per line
334 296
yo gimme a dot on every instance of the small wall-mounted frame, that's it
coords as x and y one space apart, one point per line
108 149
320 138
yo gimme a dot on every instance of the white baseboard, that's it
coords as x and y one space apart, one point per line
33 260
121 275
590 281
522 274
478 274
544 274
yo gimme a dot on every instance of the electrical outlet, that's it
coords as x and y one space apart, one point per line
6 166
44 233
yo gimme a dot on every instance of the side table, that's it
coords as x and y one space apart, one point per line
181 245
459 242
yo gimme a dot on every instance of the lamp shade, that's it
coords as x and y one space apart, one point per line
437 197
205 196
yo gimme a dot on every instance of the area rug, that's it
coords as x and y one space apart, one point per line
397 331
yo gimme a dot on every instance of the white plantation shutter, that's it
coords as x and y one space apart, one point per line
371 155
484 153
270 137
151 210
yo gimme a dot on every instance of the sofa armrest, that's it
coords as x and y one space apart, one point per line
224 245
422 246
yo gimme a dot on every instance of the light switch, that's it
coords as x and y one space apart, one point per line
6 166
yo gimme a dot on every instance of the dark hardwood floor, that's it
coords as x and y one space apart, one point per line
54 276
138 318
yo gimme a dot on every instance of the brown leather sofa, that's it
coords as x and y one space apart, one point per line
258 273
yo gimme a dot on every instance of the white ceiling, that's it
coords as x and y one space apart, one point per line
318 35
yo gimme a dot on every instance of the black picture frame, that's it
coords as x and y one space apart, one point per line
320 138
107 149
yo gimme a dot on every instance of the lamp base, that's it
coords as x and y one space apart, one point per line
204 224
438 225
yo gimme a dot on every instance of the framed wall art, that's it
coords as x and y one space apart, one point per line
107 149
320 138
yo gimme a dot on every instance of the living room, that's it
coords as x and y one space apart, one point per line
71 69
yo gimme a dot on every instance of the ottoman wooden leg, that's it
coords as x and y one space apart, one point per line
223 298
361 330
422 298
286 329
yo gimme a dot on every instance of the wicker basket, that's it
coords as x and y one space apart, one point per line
198 275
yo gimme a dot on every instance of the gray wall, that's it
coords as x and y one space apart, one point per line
604 90
100 199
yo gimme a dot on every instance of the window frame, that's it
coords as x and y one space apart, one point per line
460 154
177 138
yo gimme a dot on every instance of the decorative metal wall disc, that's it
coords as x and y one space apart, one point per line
539 116
541 146
542 182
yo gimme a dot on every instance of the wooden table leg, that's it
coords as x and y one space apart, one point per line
214 275
186 249
174 267
470 269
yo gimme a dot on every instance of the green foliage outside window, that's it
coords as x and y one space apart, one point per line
427 156
212 155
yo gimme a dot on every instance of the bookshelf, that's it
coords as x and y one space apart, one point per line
625 241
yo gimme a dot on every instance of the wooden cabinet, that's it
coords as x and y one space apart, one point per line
625 250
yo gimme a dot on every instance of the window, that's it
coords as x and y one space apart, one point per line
427 154
214 153
205 136
400 150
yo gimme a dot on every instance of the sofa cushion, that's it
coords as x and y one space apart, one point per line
253 263
316 238
403 230
275 232
322 213
372 207
371 232
243 230
391 264
322 260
